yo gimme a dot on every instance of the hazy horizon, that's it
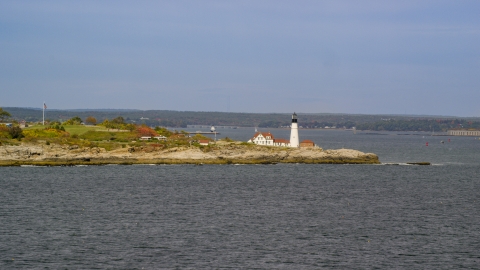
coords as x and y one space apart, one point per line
350 57
286 113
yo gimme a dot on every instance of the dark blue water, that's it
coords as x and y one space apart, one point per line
284 216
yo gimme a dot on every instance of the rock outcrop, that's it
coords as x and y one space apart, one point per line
222 153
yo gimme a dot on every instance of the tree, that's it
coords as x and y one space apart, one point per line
118 120
4 114
144 130
91 120
163 131
130 127
73 121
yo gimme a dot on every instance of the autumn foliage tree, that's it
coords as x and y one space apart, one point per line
144 130
91 120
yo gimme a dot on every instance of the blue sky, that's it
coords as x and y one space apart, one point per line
365 57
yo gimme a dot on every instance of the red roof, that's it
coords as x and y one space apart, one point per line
306 141
281 141
264 134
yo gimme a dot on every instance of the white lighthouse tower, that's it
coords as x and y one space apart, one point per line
294 140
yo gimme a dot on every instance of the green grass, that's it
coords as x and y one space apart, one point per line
92 135
73 129
81 129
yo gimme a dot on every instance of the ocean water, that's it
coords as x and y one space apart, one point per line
284 216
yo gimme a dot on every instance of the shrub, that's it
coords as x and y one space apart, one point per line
247 144
108 146
45 133
16 132
4 132
200 137
163 131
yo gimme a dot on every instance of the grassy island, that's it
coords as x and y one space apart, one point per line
74 144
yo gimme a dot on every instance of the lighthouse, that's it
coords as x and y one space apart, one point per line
294 141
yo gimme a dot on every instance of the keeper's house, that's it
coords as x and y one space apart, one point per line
463 132
267 138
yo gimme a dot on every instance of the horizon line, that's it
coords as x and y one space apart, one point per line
129 109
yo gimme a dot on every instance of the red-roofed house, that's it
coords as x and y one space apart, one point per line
266 138
281 142
262 138
307 143
203 142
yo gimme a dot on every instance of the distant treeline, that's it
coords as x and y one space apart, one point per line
184 118
180 119
420 125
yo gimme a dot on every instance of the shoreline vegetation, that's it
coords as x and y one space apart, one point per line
117 142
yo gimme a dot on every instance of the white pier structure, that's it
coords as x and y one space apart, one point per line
463 132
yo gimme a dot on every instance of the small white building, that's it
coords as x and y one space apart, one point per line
281 142
204 142
160 138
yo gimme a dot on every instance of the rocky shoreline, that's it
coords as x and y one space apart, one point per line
223 153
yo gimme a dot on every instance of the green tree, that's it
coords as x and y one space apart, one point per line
4 115
130 127
118 120
73 121
105 123
163 131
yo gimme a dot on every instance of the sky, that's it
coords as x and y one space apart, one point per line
359 57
